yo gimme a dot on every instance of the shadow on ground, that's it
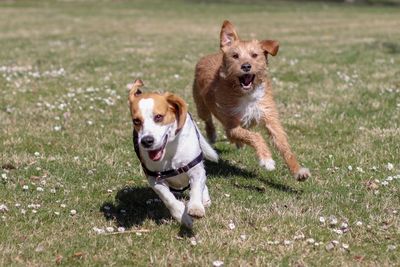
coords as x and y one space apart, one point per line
134 205
226 169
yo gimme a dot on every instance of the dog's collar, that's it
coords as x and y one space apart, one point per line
161 175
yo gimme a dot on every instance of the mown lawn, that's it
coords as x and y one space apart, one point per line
66 142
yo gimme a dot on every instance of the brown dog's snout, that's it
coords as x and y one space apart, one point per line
246 67
147 141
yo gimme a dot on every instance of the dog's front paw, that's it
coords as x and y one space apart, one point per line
179 214
268 164
196 209
187 221
303 174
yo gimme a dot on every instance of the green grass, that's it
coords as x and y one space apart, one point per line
337 85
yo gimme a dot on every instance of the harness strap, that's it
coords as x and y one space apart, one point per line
161 175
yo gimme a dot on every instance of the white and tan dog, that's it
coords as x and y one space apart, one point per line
171 149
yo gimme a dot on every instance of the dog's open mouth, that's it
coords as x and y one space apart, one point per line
246 81
156 155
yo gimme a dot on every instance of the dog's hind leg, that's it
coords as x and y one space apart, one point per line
279 138
176 207
204 113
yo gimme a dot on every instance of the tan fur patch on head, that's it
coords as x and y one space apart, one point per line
169 106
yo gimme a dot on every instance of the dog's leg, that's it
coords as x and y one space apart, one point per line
206 197
279 138
205 115
176 207
255 140
197 177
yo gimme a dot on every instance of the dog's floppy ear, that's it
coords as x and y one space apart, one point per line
228 34
270 47
180 108
135 89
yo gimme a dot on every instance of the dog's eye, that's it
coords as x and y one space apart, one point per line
235 56
254 55
137 122
158 118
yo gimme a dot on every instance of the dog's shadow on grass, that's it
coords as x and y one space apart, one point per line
226 169
134 205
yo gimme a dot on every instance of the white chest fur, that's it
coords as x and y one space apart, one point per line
249 108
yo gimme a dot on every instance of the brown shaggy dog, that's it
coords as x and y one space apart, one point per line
232 85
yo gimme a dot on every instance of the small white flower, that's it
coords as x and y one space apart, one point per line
39 189
37 154
17 205
63 206
338 231
394 211
359 169
177 76
359 223
139 234
384 183
231 225
57 128
332 220
392 247
374 168
350 168
335 242
227 195
389 166
310 240
25 187
3 208
218 263
73 212
390 178
243 237
193 242
121 229
321 219
34 211
345 246
109 191
287 242
110 229
57 213
4 175
98 230
53 190
89 122
23 211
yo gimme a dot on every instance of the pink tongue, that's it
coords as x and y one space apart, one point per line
155 154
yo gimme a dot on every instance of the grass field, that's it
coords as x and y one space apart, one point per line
69 172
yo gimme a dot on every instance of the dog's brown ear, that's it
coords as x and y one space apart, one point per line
180 108
228 34
135 89
270 47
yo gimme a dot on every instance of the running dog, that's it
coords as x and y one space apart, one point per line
233 86
171 150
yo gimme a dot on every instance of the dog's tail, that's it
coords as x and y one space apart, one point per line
208 151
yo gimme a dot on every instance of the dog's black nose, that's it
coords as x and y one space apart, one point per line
147 141
246 67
